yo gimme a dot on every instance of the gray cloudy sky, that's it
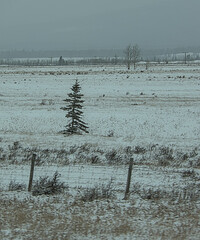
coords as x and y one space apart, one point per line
98 24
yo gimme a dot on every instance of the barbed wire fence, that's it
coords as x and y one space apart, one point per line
74 176
147 181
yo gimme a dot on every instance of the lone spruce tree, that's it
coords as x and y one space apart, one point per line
74 106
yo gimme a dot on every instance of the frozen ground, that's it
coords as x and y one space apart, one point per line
156 109
155 106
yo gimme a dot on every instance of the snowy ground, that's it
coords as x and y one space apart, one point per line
156 109
155 106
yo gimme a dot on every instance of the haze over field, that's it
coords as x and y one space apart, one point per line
94 24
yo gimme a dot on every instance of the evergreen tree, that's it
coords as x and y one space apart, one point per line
74 106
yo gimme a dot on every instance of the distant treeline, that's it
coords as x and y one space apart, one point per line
95 61
94 57
63 62
58 53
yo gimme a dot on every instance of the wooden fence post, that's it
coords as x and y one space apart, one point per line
128 179
31 172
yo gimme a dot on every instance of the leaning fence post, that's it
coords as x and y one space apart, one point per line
31 172
128 178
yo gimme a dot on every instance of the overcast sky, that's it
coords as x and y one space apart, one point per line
98 24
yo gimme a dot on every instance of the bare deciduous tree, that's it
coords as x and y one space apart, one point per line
136 54
128 55
132 55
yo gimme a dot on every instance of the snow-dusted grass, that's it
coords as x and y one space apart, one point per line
63 217
151 115
158 105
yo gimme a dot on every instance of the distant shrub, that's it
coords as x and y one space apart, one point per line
47 102
113 157
165 156
197 163
14 186
48 186
2 155
97 192
110 133
139 150
94 159
189 173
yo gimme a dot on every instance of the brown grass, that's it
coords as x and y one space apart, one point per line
61 217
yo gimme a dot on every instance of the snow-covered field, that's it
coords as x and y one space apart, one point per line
151 115
156 106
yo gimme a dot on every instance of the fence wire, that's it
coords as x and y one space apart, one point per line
74 176
90 175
